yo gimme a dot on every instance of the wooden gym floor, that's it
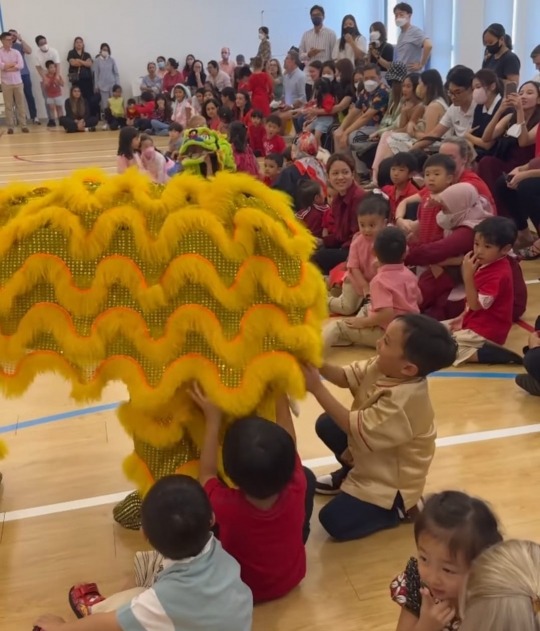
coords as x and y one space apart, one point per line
63 474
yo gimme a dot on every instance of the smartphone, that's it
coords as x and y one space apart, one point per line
510 88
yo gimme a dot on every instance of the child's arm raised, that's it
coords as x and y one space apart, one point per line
97 622
335 375
326 400
208 465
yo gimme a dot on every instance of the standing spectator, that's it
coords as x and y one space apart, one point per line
53 89
499 56
105 74
80 69
261 87
172 76
294 87
535 56
197 76
317 43
226 64
352 44
20 45
152 82
11 64
413 47
276 74
218 78
380 51
42 56
265 48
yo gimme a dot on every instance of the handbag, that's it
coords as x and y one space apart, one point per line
73 75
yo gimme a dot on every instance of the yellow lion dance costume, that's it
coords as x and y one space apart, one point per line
114 278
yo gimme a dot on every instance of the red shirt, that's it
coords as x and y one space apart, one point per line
168 81
328 103
313 218
470 177
395 199
430 230
257 135
274 145
495 286
261 87
267 544
344 218
146 109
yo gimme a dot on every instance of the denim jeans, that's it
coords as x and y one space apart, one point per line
29 95
346 517
159 128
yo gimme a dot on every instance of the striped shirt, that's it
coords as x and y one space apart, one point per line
204 592
324 40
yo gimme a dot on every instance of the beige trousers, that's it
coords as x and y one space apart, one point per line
14 94
348 303
337 333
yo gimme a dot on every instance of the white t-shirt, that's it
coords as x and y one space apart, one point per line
42 58
348 52
458 121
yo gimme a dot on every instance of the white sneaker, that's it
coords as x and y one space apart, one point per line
36 121
105 127
328 485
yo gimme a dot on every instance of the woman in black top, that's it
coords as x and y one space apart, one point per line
80 69
487 94
78 117
380 51
499 56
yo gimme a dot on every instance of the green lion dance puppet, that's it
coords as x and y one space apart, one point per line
114 278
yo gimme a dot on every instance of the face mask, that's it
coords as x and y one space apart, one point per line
370 85
494 48
161 65
149 152
44 48
104 54
375 36
448 222
317 21
261 36
357 85
401 22
479 96
330 77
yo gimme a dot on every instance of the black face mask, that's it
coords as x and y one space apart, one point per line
317 20
494 48
348 31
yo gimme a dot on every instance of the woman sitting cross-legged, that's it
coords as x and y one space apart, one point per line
77 116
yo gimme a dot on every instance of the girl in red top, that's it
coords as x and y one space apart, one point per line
325 101
260 87
243 156
257 134
210 110
242 111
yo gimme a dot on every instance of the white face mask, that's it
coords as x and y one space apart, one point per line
449 222
401 22
356 85
44 48
330 77
374 36
104 54
370 85
261 36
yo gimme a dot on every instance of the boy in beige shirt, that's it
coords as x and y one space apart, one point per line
386 443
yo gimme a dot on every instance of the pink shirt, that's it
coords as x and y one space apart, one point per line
123 163
361 257
395 287
11 57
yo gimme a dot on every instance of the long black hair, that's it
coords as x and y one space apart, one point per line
498 31
355 32
168 108
322 88
238 136
126 137
434 86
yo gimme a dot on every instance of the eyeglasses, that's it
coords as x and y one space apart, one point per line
455 93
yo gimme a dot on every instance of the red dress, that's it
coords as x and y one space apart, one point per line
261 87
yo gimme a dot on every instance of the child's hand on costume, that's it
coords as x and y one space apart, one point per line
354 323
209 409
312 377
48 622
435 615
470 265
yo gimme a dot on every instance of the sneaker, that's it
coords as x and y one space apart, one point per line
330 484
25 130
529 384
10 131
51 123
105 127
36 121
90 129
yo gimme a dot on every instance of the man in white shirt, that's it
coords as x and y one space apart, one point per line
218 78
535 56
413 46
42 56
317 44
457 120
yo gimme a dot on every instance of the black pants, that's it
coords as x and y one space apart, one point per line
71 126
345 517
86 87
114 122
521 203
327 258
531 361
29 95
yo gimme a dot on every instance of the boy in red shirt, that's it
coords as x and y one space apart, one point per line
273 143
273 163
402 170
264 524
487 274
257 134
313 208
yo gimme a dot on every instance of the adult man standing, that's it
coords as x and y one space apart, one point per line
43 54
226 64
11 64
413 47
20 45
317 44
218 78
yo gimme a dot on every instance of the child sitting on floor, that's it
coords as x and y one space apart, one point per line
257 133
153 161
452 530
273 163
192 582
243 156
131 111
175 140
310 200
402 170
483 327
393 291
273 142
264 523
115 112
386 443
439 172
129 155
362 263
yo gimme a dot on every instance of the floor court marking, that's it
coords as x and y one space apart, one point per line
314 463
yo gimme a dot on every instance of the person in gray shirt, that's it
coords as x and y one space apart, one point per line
294 87
105 75
413 47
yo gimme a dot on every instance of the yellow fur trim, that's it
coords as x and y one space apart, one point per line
137 472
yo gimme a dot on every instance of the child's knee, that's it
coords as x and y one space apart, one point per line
331 520
324 425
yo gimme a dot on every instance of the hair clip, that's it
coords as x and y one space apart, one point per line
536 604
378 191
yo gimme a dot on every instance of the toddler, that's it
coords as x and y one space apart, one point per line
175 140
386 442
450 532
273 163
264 523
321 118
489 288
225 119
129 142
257 133
131 111
243 156
273 142
393 291
313 207
372 214
439 172
153 161
402 170
115 112
53 84
191 581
